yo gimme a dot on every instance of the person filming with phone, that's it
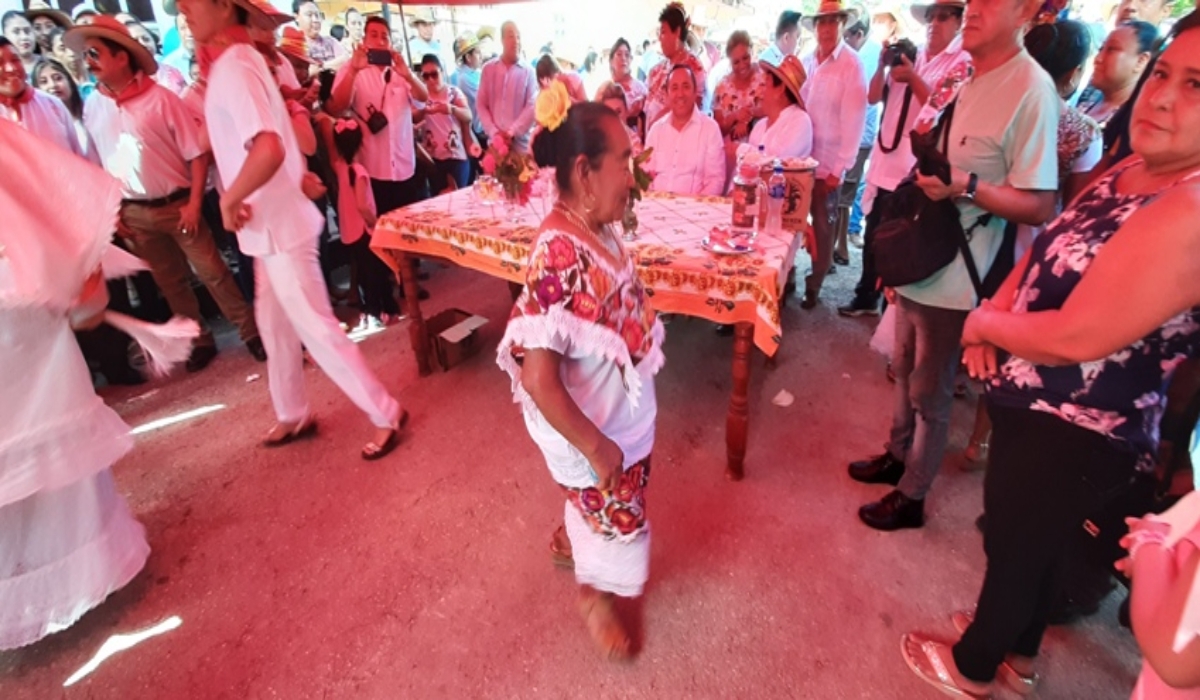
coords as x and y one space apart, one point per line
377 88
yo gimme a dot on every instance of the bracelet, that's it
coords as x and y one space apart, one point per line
1145 537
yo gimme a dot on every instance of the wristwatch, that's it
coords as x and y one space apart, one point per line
972 185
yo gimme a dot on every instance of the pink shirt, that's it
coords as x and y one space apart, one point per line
350 219
145 142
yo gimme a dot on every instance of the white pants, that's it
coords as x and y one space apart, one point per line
292 307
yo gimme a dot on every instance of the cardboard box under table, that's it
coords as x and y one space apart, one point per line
453 337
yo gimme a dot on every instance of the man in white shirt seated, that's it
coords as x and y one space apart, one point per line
689 155
146 138
787 35
835 96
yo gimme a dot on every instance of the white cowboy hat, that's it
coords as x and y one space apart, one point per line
921 9
829 8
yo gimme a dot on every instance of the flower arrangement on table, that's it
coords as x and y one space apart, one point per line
641 184
513 171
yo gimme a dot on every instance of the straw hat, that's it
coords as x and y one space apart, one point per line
790 72
921 9
464 44
294 45
41 9
110 28
422 16
262 13
487 32
829 8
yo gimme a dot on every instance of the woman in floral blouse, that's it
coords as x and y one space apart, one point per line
582 347
672 38
1077 347
737 99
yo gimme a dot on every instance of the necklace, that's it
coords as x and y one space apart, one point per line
605 239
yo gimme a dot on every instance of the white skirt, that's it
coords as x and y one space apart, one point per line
62 552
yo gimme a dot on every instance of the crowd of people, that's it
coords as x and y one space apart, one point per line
257 156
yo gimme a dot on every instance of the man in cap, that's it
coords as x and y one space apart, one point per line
424 44
326 52
507 90
903 87
1003 157
261 168
787 35
467 77
146 138
83 14
835 96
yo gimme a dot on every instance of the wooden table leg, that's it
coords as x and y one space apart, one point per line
412 307
737 423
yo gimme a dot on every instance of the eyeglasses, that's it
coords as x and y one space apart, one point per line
91 54
942 15
429 76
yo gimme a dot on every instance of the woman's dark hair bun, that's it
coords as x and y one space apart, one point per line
580 134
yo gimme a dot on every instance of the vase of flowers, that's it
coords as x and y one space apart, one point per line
513 171
641 183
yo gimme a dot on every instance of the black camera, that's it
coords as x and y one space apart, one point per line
901 47
376 120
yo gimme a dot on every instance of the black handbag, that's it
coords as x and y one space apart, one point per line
918 237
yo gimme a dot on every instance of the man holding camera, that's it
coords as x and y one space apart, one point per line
903 80
1002 167
377 87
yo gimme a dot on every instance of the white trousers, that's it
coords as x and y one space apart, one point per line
292 308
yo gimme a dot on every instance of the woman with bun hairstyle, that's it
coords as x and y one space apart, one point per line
582 348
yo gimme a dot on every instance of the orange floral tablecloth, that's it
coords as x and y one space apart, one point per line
681 276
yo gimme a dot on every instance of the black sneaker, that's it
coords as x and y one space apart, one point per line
883 469
894 512
200 358
860 307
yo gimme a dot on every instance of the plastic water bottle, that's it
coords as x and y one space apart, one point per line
776 193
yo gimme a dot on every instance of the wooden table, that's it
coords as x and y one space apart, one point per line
681 277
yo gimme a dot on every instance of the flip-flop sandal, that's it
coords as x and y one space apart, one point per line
921 655
372 452
841 259
303 431
561 558
1016 681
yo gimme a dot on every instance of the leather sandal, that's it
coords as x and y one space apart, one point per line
1016 681
303 430
922 655
560 555
372 452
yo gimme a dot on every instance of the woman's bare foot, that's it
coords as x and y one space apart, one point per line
604 626
560 549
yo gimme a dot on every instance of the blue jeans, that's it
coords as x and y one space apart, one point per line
925 361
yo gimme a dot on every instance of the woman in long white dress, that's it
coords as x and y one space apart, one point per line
67 538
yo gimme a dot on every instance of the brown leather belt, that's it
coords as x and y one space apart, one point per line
175 196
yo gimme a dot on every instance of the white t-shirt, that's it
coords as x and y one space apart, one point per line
243 101
789 137
1005 130
146 142
389 154
47 117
